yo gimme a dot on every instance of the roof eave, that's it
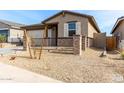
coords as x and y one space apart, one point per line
113 29
51 17
116 24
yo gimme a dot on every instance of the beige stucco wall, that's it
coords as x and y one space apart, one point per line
35 33
120 32
99 40
69 17
14 34
89 42
91 30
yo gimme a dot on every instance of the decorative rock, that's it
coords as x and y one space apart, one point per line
118 78
103 54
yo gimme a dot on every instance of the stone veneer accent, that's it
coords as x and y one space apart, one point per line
65 42
77 44
24 43
84 41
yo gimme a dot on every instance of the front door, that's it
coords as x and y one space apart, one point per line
51 37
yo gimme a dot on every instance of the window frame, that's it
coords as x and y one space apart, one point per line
69 30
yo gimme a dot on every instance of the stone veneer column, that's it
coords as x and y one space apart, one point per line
24 43
84 42
77 44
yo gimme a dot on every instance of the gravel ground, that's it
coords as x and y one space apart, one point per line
88 68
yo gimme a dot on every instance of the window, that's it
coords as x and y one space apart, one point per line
72 28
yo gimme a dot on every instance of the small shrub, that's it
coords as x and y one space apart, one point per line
122 54
2 38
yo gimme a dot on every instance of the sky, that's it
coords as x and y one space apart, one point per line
104 18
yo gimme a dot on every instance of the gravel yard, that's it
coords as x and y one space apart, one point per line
88 68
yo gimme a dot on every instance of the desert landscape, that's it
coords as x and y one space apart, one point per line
87 68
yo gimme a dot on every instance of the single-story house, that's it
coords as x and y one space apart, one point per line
118 32
12 31
60 28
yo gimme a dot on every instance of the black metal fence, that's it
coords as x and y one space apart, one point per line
64 42
44 41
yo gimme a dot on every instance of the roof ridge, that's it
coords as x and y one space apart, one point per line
76 13
11 23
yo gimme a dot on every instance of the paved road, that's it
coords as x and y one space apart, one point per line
13 74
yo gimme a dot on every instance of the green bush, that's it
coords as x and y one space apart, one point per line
122 54
2 38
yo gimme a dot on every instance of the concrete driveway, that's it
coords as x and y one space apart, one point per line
10 73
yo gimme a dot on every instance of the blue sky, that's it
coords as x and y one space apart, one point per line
105 19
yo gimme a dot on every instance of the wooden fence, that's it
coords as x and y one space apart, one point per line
111 43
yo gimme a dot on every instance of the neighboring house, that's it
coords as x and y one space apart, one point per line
118 32
60 28
12 31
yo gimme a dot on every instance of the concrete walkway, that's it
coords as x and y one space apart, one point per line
13 74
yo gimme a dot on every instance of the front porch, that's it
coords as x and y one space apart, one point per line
50 35
47 36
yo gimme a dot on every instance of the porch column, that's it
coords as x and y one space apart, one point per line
25 43
46 31
45 40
